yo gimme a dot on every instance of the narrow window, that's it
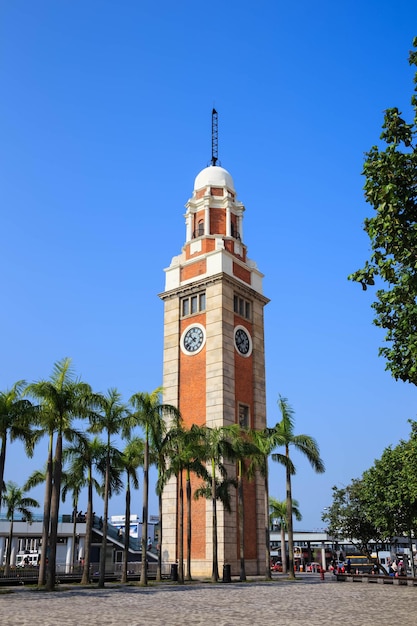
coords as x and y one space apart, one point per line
243 416
242 307
202 301
193 304
200 230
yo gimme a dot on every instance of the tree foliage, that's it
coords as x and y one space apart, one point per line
308 447
382 504
391 189
348 517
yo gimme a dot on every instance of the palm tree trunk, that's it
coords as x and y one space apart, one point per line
2 460
188 492
267 531
56 495
74 537
215 569
127 531
9 550
241 522
283 549
291 573
88 530
103 551
46 515
159 547
181 531
144 570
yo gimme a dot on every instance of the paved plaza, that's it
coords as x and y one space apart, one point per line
308 601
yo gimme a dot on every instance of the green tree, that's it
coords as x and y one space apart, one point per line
266 441
110 418
72 483
348 517
83 457
218 446
132 458
218 489
389 489
390 188
62 398
309 448
161 447
15 501
149 414
244 451
278 513
185 452
17 415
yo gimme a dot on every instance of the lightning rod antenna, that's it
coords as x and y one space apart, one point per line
214 137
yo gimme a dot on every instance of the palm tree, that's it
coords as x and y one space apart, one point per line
185 452
62 398
73 483
266 441
70 482
244 450
109 418
83 457
221 489
309 448
160 454
132 458
15 502
278 512
16 418
149 415
217 447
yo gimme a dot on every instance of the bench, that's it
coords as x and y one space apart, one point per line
377 578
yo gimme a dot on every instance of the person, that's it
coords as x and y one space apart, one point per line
348 566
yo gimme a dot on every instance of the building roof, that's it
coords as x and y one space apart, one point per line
213 175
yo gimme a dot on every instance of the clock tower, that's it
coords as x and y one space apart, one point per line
214 362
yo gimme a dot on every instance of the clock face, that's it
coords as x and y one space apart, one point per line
193 339
242 341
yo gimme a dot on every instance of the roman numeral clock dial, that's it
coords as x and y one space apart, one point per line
243 341
193 339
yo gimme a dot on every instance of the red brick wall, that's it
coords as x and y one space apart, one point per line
195 269
244 394
241 272
192 395
217 222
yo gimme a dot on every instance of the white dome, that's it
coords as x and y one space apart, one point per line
215 176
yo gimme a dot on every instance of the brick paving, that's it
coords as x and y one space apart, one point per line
307 601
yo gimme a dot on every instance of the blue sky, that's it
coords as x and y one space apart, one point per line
105 119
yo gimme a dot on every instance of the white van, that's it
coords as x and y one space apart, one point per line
28 560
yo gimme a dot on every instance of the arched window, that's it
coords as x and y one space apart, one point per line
200 229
